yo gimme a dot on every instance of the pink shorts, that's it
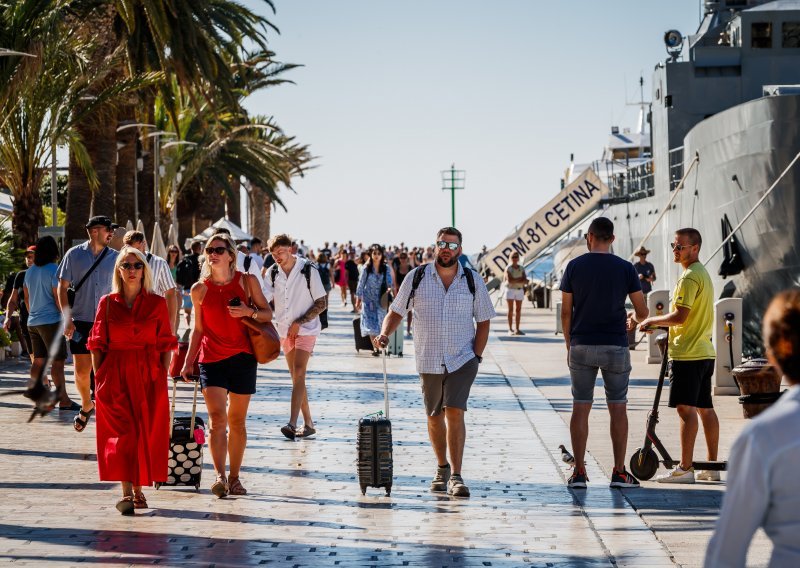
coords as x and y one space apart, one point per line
301 342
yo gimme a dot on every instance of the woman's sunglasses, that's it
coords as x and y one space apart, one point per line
134 265
216 250
446 245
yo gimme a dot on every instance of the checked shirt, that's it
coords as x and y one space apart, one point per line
444 320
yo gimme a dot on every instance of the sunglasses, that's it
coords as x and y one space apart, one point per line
446 245
679 248
134 265
216 250
376 251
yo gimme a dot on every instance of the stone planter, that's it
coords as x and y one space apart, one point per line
16 349
760 386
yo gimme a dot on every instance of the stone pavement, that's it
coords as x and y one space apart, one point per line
681 516
305 507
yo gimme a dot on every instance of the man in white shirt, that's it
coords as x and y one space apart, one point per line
447 300
765 459
163 283
295 287
255 253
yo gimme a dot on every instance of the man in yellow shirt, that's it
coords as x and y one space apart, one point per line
691 356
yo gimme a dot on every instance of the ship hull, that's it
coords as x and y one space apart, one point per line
742 151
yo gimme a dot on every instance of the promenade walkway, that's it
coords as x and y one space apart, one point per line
305 507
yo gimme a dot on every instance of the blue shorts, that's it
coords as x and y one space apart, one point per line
613 361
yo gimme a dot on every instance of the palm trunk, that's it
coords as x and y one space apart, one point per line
260 212
79 202
233 206
27 215
126 169
103 150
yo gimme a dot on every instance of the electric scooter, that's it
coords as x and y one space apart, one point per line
644 461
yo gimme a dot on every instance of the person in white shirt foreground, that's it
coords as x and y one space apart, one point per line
298 303
447 300
765 459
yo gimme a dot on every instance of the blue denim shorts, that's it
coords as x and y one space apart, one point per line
613 361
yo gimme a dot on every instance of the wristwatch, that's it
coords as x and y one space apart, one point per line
255 313
479 358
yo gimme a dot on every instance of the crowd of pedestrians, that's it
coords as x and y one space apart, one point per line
122 313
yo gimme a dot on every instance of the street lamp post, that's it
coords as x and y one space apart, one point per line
156 170
136 165
452 180
174 211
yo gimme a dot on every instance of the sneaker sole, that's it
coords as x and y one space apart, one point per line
679 480
623 485
438 489
462 494
579 485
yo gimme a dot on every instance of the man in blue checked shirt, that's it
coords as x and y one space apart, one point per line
446 300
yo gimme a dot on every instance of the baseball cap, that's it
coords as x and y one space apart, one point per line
99 221
31 248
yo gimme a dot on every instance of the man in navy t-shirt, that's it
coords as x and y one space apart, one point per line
594 289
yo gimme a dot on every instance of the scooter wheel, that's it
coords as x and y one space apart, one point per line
644 464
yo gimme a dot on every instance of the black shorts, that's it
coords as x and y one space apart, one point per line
41 338
235 374
353 285
77 345
690 383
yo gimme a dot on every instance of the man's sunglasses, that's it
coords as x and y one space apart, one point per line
216 250
134 265
679 248
446 245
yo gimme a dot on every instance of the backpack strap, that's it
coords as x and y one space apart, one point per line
149 257
306 271
419 273
273 273
248 260
470 281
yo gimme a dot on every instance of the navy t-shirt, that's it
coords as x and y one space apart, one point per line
599 284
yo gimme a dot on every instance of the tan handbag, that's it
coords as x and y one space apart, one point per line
263 336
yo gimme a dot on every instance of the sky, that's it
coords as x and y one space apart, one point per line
392 93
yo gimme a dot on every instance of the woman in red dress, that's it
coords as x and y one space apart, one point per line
227 365
131 344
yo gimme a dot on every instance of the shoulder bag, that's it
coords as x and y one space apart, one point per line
72 291
263 336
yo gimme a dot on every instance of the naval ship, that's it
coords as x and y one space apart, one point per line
721 154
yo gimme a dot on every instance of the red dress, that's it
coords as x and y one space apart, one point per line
223 336
131 391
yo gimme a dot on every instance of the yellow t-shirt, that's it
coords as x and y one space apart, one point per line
692 340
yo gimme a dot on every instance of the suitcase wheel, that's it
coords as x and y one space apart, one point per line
157 485
197 487
388 490
363 489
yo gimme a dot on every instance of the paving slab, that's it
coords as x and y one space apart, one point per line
304 506
681 516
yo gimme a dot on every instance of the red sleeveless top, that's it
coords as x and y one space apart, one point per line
223 336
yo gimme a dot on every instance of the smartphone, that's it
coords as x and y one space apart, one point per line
235 301
77 336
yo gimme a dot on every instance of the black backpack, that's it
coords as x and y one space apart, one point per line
185 273
305 271
419 274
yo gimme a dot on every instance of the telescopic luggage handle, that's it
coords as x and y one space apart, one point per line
175 380
385 384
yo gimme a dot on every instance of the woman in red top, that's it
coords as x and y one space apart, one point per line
131 343
227 364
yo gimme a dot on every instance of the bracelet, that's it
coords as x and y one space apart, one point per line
255 313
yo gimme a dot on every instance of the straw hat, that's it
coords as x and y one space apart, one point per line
642 252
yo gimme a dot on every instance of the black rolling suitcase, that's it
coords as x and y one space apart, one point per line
186 440
375 466
362 342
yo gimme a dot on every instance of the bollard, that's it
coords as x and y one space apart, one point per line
658 304
559 328
727 339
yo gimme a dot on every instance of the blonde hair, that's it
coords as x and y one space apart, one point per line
205 272
147 274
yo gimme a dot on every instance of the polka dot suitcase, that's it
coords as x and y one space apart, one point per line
186 441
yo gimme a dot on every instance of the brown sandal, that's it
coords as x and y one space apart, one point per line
126 505
139 501
220 487
236 487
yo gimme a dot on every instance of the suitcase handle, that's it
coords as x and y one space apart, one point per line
385 383
175 380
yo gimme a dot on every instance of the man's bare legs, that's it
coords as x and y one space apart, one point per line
297 360
711 430
579 432
618 412
448 432
688 430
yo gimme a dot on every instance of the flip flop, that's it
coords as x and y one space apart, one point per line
79 424
73 406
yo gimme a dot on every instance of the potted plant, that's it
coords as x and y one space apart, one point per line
16 348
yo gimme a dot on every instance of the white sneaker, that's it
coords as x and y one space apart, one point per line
678 475
707 475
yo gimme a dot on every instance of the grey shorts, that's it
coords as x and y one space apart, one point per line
448 389
613 361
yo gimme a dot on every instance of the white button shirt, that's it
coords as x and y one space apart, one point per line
762 488
293 299
254 268
162 275
444 328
